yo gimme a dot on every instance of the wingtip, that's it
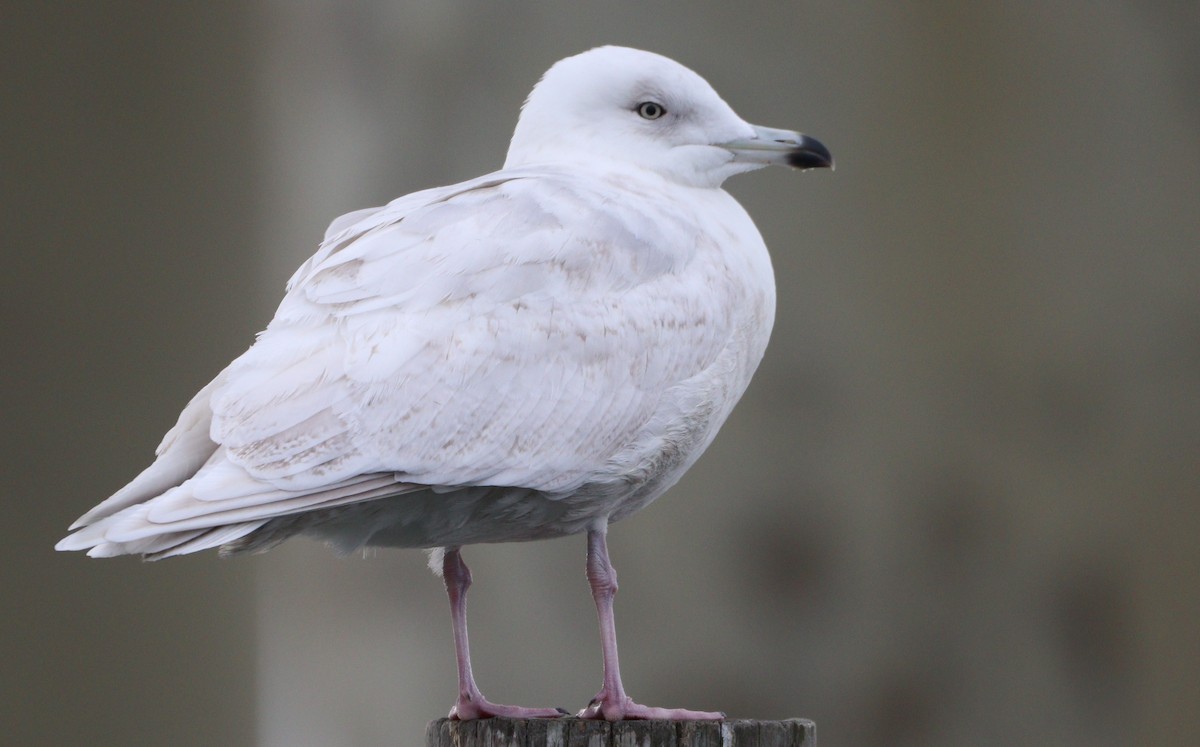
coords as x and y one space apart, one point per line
72 543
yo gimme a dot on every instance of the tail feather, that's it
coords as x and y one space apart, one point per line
217 537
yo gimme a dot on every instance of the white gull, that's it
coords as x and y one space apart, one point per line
537 352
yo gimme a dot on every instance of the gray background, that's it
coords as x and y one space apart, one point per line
957 506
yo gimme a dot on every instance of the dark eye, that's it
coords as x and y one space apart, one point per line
650 110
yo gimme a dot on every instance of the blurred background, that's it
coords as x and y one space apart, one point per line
959 504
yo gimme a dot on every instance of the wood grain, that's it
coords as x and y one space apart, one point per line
573 732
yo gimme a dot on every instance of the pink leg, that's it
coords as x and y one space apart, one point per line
471 703
611 703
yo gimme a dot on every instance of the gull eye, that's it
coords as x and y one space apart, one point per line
650 110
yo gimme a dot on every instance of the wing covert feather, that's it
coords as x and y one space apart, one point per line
469 338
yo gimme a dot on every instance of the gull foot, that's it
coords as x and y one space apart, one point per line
613 709
467 709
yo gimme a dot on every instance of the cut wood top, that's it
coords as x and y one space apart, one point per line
574 732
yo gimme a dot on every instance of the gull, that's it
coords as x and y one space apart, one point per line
534 353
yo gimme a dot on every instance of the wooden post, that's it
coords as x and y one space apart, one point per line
574 732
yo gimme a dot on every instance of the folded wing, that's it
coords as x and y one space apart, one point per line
503 331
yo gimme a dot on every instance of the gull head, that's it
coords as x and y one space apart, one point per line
617 107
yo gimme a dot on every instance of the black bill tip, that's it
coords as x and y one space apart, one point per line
810 153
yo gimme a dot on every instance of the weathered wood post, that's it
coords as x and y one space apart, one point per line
574 732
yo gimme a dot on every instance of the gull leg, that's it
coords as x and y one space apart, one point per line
611 703
471 704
